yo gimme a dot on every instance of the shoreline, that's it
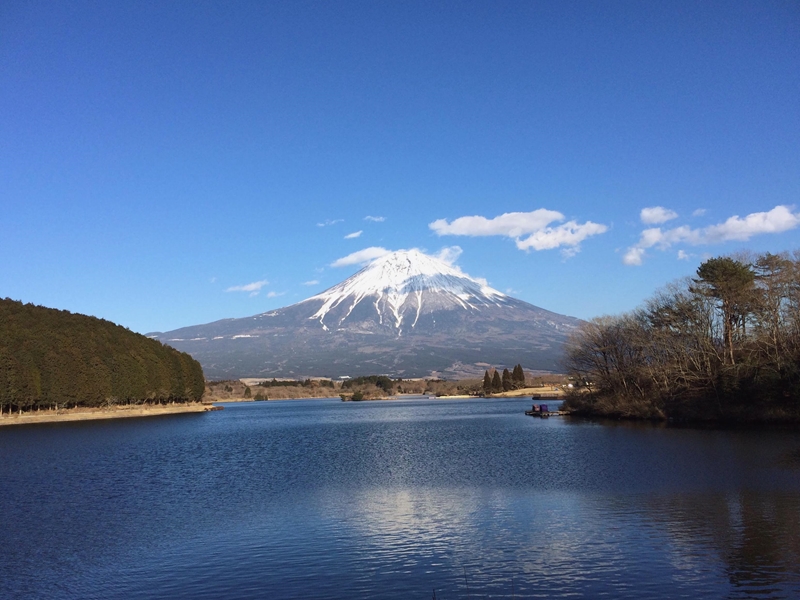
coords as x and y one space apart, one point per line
95 414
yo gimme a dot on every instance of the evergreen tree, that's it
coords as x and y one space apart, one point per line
497 384
507 383
487 383
518 377
733 284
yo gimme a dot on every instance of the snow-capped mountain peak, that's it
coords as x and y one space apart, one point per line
407 314
400 287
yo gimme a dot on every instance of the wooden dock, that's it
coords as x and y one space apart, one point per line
542 410
544 415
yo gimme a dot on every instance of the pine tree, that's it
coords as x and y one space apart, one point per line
507 383
733 284
487 383
518 377
497 385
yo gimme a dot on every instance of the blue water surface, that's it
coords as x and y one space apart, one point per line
396 499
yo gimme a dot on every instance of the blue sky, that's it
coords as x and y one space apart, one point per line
165 164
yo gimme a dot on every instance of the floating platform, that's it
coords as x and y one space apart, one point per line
542 410
544 415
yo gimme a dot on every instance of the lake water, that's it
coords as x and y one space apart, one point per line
393 500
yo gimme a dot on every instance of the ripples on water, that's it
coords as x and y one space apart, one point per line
323 499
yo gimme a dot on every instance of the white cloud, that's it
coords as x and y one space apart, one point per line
568 234
736 228
778 220
449 254
513 225
312 282
699 212
254 288
354 235
329 222
249 287
657 214
375 219
530 230
275 294
633 256
361 257
683 255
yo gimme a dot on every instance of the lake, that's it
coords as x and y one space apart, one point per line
393 500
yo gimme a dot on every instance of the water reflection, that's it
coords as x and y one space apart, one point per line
335 500
755 535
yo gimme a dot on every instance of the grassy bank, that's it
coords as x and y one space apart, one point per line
91 414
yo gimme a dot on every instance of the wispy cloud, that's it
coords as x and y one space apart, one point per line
738 229
275 294
361 257
375 219
329 222
699 212
312 282
354 235
254 288
449 254
657 214
529 230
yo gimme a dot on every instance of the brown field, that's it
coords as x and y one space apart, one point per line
89 414
548 391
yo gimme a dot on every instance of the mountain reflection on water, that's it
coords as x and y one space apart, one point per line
324 499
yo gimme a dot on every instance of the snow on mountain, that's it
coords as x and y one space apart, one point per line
406 314
403 285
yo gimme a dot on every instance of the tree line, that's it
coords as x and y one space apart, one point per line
383 382
56 359
495 384
724 345
293 383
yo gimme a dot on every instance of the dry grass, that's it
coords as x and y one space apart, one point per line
90 414
547 391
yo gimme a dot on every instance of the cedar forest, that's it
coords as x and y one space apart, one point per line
56 359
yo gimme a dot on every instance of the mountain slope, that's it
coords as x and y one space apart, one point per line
406 314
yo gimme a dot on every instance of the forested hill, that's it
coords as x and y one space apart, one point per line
54 358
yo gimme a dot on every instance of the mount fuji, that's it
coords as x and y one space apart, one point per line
406 314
